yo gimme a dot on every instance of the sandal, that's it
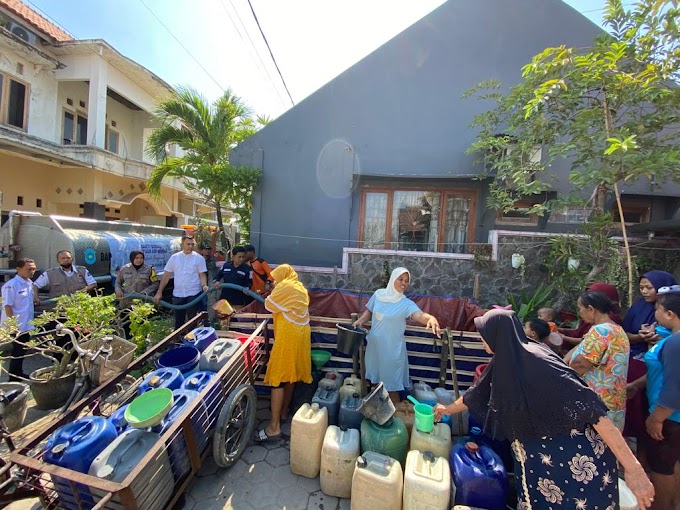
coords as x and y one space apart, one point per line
262 437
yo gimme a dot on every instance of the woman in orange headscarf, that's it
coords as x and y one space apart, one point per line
290 360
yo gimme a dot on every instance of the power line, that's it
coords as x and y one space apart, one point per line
270 52
262 67
183 47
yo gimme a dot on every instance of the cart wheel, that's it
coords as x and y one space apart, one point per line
234 426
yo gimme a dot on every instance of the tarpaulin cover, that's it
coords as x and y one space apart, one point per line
456 313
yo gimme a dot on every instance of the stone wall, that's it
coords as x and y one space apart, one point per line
439 275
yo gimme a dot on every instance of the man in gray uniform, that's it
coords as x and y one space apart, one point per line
67 278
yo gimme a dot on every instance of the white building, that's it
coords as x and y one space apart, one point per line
74 119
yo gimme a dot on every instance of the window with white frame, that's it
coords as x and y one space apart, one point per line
112 139
409 219
13 102
74 128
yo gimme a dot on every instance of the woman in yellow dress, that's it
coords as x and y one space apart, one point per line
290 360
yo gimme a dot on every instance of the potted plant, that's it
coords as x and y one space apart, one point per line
89 317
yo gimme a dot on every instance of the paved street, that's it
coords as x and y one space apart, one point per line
261 480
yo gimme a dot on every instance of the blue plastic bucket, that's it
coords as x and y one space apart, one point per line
184 358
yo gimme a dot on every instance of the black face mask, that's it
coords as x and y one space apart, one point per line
66 267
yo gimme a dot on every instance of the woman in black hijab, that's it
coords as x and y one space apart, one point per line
135 277
564 445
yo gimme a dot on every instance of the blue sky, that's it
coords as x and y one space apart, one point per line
214 44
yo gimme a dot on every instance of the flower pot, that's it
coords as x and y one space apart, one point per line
15 412
51 393
517 260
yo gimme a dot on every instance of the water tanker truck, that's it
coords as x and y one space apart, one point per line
100 246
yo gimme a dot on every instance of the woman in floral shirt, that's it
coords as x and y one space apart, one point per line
601 359
564 445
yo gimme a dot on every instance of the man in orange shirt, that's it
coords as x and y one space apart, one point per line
262 273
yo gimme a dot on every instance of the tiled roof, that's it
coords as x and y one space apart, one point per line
35 20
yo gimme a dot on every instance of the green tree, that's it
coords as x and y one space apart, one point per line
206 134
611 110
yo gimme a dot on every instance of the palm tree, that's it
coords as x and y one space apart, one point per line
205 133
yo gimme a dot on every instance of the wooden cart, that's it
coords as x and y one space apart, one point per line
161 478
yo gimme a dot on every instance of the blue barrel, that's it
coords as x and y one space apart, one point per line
330 399
177 447
75 446
185 358
501 448
349 417
197 382
170 378
479 476
117 419
200 338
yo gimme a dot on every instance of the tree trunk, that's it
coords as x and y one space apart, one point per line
220 224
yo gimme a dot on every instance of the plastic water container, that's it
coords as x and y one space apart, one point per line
479 476
197 382
350 386
185 358
170 378
438 441
627 500
200 338
177 447
75 446
444 396
349 417
502 448
390 439
153 487
331 382
338 456
118 420
377 483
427 482
423 392
330 399
406 413
254 345
307 432
338 376
218 354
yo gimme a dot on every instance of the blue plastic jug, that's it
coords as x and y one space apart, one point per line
200 338
170 378
177 447
197 382
500 447
118 420
75 446
330 399
479 476
349 417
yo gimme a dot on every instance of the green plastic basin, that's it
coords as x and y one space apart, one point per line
149 409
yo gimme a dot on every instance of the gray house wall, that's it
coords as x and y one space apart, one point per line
397 114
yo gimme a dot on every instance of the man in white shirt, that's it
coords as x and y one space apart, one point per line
67 278
189 271
18 301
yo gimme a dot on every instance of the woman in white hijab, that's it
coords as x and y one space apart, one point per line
386 358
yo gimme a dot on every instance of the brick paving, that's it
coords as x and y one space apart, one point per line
260 480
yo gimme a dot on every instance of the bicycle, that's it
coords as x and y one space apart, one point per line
96 367
10 488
